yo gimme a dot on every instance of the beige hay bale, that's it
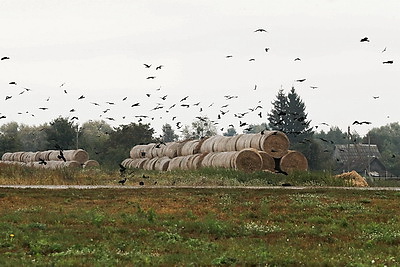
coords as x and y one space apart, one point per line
268 161
207 160
353 178
46 154
231 144
126 162
17 156
220 144
78 155
248 160
293 161
71 164
171 149
91 163
190 147
149 165
174 163
138 151
190 162
275 143
6 156
162 163
207 144
223 159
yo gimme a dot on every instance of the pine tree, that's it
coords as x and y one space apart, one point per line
288 115
277 117
297 125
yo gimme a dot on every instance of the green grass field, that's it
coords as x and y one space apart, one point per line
153 226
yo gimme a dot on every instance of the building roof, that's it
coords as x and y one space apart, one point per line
358 157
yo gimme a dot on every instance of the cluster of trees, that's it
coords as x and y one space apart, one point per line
110 145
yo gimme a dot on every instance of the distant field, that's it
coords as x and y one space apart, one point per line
144 226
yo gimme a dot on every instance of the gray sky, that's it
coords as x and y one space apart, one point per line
98 49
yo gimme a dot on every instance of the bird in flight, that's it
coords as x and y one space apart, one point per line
300 80
297 59
361 123
260 30
159 67
388 62
43 108
266 49
151 77
229 56
313 87
365 39
375 97
384 50
8 97
12 83
81 97
252 59
147 66
4 58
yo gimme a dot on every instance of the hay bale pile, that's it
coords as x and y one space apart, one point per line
78 158
353 178
247 152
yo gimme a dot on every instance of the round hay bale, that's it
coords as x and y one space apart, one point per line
171 150
6 156
194 162
268 162
180 146
231 144
275 143
149 165
35 156
220 144
149 151
174 164
207 144
53 155
248 160
162 163
91 163
138 163
26 157
126 162
17 156
78 155
138 151
189 148
223 159
45 154
293 161
207 160
71 164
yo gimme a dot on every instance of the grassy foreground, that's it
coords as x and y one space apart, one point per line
153 226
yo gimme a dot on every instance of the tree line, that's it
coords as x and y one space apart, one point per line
110 145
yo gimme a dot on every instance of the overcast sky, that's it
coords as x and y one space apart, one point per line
98 49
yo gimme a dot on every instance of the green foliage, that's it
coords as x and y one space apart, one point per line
388 142
168 134
61 132
200 128
288 115
231 131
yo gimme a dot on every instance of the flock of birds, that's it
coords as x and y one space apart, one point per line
184 103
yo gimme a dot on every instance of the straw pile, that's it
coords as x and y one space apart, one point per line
247 152
74 159
353 178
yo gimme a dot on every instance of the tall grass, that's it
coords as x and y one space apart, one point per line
15 174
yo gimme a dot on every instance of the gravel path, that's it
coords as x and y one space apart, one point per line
59 187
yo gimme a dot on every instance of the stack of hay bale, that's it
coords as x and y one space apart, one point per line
74 159
247 152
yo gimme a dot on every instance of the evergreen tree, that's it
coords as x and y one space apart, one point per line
297 125
277 116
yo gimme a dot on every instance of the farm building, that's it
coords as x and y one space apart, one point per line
363 158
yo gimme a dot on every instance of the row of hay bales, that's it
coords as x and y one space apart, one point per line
248 152
77 158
